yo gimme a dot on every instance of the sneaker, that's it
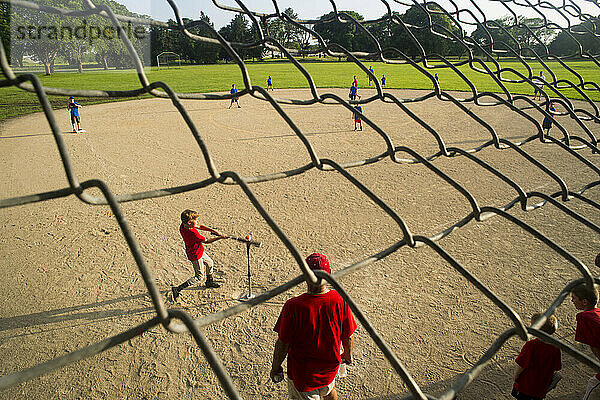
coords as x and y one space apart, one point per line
210 283
176 292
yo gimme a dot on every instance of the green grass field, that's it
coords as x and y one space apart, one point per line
213 78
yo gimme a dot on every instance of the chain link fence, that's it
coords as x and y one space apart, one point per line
480 54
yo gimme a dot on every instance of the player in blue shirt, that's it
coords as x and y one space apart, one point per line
269 83
353 92
383 80
437 79
234 99
371 71
73 108
547 123
357 117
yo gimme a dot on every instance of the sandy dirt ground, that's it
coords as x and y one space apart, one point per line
69 280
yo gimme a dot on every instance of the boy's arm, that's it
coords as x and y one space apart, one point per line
348 345
279 354
518 372
207 229
207 241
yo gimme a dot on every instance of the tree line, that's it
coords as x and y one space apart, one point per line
408 35
44 36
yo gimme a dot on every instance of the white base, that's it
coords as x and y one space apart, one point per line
246 296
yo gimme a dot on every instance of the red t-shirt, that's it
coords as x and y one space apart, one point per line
539 360
313 325
588 328
193 242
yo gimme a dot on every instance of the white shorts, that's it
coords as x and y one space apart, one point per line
312 395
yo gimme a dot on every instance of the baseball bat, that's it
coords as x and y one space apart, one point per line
247 239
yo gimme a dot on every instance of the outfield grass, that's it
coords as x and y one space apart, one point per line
212 78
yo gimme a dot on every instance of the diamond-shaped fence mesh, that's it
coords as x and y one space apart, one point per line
480 57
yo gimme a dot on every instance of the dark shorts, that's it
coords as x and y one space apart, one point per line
547 125
74 119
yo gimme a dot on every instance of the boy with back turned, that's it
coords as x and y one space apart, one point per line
537 364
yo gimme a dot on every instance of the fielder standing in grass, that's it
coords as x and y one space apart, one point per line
194 248
269 83
383 80
312 329
370 76
538 83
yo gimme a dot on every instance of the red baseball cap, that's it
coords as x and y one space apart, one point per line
318 261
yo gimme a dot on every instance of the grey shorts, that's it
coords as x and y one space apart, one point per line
312 395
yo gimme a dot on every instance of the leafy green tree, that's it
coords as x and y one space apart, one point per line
162 39
567 43
417 32
38 33
206 53
304 39
44 35
504 35
5 29
236 31
346 34
109 49
286 33
423 31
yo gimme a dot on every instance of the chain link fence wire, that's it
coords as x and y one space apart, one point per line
178 321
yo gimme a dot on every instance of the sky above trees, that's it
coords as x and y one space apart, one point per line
369 9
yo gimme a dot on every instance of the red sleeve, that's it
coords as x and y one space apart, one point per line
196 233
524 358
588 329
284 325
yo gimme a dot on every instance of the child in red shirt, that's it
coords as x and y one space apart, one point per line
536 365
194 249
588 329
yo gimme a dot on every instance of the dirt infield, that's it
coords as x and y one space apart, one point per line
69 279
